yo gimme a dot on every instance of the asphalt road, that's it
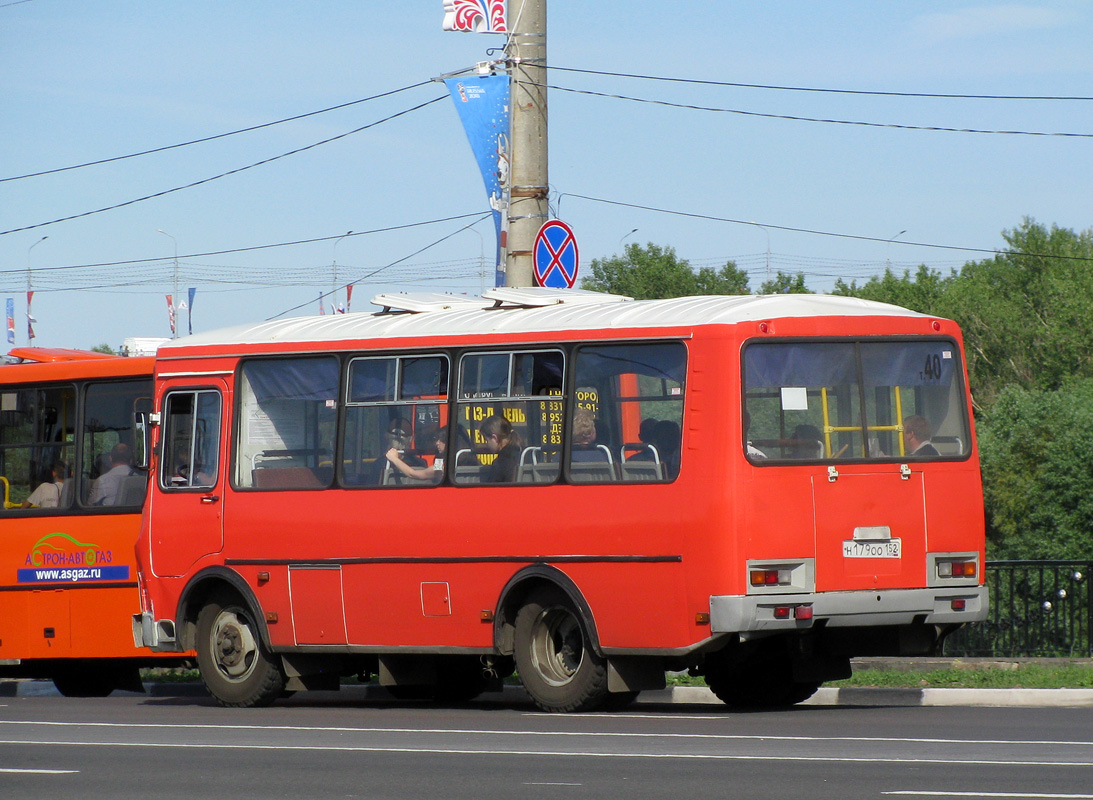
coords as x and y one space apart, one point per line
339 747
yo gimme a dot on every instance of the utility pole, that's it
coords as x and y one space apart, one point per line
528 194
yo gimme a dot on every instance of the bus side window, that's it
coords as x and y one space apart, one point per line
37 433
288 410
526 388
396 432
633 395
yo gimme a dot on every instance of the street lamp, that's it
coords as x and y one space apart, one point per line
174 291
334 279
30 319
625 236
888 251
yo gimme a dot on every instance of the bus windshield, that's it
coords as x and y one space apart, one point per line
870 400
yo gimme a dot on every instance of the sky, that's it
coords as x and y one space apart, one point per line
717 172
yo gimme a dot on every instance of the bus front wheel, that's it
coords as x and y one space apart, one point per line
235 665
554 656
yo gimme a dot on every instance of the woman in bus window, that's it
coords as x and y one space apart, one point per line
501 439
584 438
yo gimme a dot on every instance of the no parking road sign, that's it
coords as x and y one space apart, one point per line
556 257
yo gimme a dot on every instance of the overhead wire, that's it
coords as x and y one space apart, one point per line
793 118
874 93
214 137
375 272
229 172
813 231
252 248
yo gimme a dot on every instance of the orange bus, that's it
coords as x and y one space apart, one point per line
67 532
582 488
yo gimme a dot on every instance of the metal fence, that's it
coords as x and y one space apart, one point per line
1037 608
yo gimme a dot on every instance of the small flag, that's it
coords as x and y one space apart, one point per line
30 319
190 311
475 16
11 320
348 296
321 311
171 313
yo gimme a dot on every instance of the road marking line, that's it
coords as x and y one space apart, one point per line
993 794
589 734
559 753
8 770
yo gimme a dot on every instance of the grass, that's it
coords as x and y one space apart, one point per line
956 674
1065 675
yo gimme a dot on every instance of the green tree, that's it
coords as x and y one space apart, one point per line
784 283
655 272
922 293
1036 449
104 348
1027 314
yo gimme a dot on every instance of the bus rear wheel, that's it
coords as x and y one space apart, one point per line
554 657
235 665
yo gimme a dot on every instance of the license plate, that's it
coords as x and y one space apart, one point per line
889 548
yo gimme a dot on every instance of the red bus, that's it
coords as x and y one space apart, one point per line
68 580
587 489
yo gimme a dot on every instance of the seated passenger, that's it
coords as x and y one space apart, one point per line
645 436
397 437
806 442
667 438
916 437
436 471
48 494
584 438
105 488
752 450
500 438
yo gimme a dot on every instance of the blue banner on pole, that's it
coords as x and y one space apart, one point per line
483 105
11 320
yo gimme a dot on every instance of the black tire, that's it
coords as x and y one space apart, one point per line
235 665
554 656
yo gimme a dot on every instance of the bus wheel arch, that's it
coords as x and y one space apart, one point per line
223 624
515 594
554 644
197 594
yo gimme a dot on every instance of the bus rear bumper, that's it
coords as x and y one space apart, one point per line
888 607
157 635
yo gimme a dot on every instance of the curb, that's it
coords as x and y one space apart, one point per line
676 695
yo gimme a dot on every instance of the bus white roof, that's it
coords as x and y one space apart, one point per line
515 311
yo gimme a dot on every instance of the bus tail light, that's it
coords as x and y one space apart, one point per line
803 612
770 577
958 604
956 569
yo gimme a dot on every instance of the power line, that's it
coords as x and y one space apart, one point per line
812 119
388 266
211 138
388 229
229 172
820 90
857 237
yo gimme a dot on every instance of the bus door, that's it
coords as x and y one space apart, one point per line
870 529
186 515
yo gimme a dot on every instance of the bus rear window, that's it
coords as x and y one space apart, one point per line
820 401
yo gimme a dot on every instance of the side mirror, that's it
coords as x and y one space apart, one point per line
142 428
